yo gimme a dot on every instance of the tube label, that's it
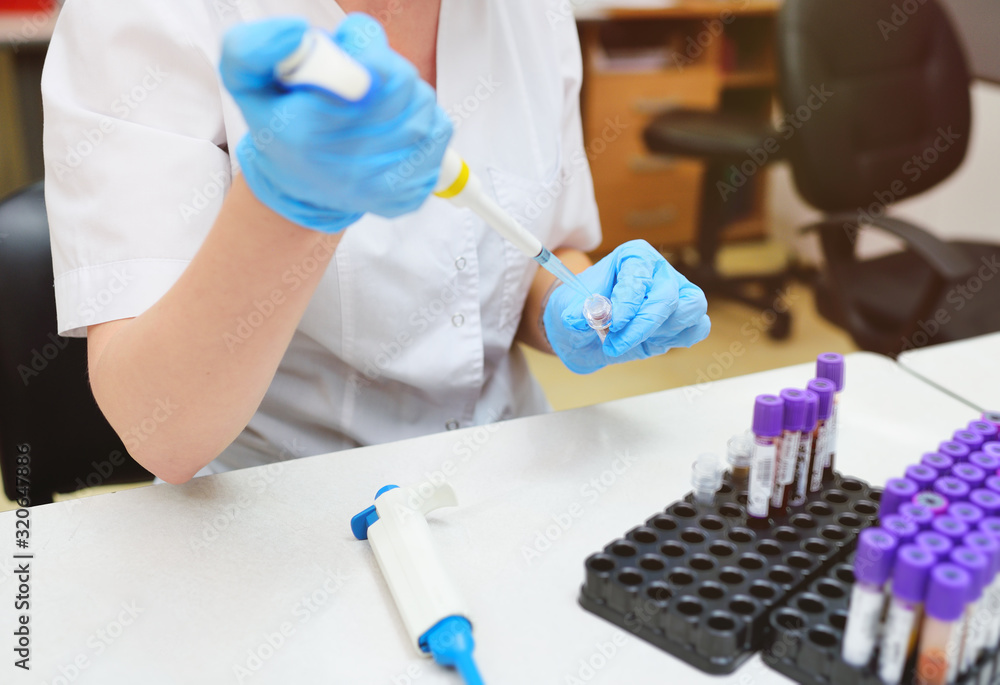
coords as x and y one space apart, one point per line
761 478
861 631
896 640
819 457
785 467
802 469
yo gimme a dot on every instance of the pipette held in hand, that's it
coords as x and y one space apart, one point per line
318 62
434 615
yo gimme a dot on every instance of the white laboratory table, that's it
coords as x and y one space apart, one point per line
186 584
968 369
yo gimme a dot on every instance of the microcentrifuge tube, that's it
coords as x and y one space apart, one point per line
597 312
706 478
738 452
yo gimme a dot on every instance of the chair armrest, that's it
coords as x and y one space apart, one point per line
948 261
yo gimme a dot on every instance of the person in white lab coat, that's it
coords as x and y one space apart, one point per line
254 292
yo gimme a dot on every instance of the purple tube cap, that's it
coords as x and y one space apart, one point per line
947 584
950 526
812 410
970 473
991 526
955 450
897 492
939 545
936 460
991 448
825 389
986 545
795 409
992 483
976 564
919 514
933 501
988 430
970 439
993 417
902 528
767 415
987 462
911 571
923 475
987 500
876 551
967 512
951 487
830 366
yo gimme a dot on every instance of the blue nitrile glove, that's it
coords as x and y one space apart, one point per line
318 159
653 308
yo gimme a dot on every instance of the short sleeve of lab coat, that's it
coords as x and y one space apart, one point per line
135 156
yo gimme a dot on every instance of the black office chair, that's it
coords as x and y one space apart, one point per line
896 124
46 406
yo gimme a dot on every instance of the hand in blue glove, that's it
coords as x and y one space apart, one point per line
653 308
318 159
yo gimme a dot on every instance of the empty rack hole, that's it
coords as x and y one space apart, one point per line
725 489
786 535
743 606
838 620
712 523
844 573
684 510
732 576
741 498
643 536
835 496
830 589
689 607
762 590
693 536
673 549
624 549
651 563
833 533
790 620
702 563
681 578
799 560
630 578
782 576
659 592
740 535
816 546
866 508
819 509
601 564
721 622
804 521
850 520
661 522
751 562
768 548
822 638
711 591
722 549
875 494
811 604
851 485
730 510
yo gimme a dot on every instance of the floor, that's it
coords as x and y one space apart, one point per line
736 346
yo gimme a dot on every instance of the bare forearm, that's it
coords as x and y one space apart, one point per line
195 366
530 330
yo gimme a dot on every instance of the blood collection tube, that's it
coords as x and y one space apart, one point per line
967 513
872 565
978 567
919 514
938 545
941 632
987 500
923 475
972 475
909 587
897 492
830 366
971 439
955 489
902 528
820 467
788 449
955 450
991 526
767 423
803 460
950 527
987 462
937 461
988 430
738 453
934 502
988 546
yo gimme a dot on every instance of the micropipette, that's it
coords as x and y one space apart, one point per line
319 62
434 615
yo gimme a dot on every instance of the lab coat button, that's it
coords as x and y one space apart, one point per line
457 320
451 425
460 263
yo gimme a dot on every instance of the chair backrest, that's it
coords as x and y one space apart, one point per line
876 99
45 398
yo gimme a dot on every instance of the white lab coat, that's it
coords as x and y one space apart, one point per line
411 328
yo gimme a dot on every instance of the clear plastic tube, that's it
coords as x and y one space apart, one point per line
597 312
739 450
706 478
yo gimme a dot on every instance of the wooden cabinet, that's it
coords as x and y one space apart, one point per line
702 54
